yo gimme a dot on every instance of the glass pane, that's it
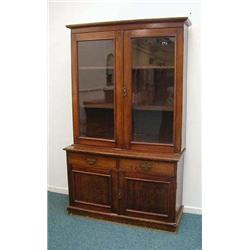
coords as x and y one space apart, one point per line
96 88
153 71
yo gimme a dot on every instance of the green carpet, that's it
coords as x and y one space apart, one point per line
74 232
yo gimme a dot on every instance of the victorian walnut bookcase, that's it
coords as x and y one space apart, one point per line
129 108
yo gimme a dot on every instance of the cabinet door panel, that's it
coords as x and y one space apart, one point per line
151 68
147 196
94 188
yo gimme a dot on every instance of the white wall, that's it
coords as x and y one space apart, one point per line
60 113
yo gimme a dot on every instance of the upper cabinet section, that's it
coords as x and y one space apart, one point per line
128 82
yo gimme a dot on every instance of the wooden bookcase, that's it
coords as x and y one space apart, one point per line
129 109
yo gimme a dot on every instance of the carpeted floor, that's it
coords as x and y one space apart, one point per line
74 232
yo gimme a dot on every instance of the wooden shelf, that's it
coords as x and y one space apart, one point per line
153 67
153 107
135 107
99 105
134 67
97 89
95 67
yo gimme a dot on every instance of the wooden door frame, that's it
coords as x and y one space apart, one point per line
178 89
117 37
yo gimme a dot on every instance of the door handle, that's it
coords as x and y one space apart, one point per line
124 91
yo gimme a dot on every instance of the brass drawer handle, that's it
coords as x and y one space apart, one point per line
146 166
91 161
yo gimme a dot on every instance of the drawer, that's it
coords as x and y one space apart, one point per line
91 160
148 167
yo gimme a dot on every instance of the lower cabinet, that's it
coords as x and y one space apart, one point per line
148 189
123 188
93 182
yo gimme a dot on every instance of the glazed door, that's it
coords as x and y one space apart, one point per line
96 78
151 81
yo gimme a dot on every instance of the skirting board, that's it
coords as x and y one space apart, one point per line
59 190
187 209
192 210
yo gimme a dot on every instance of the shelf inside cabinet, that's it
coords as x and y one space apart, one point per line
95 67
97 105
153 107
135 107
152 67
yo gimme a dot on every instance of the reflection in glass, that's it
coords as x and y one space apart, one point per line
153 71
96 88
